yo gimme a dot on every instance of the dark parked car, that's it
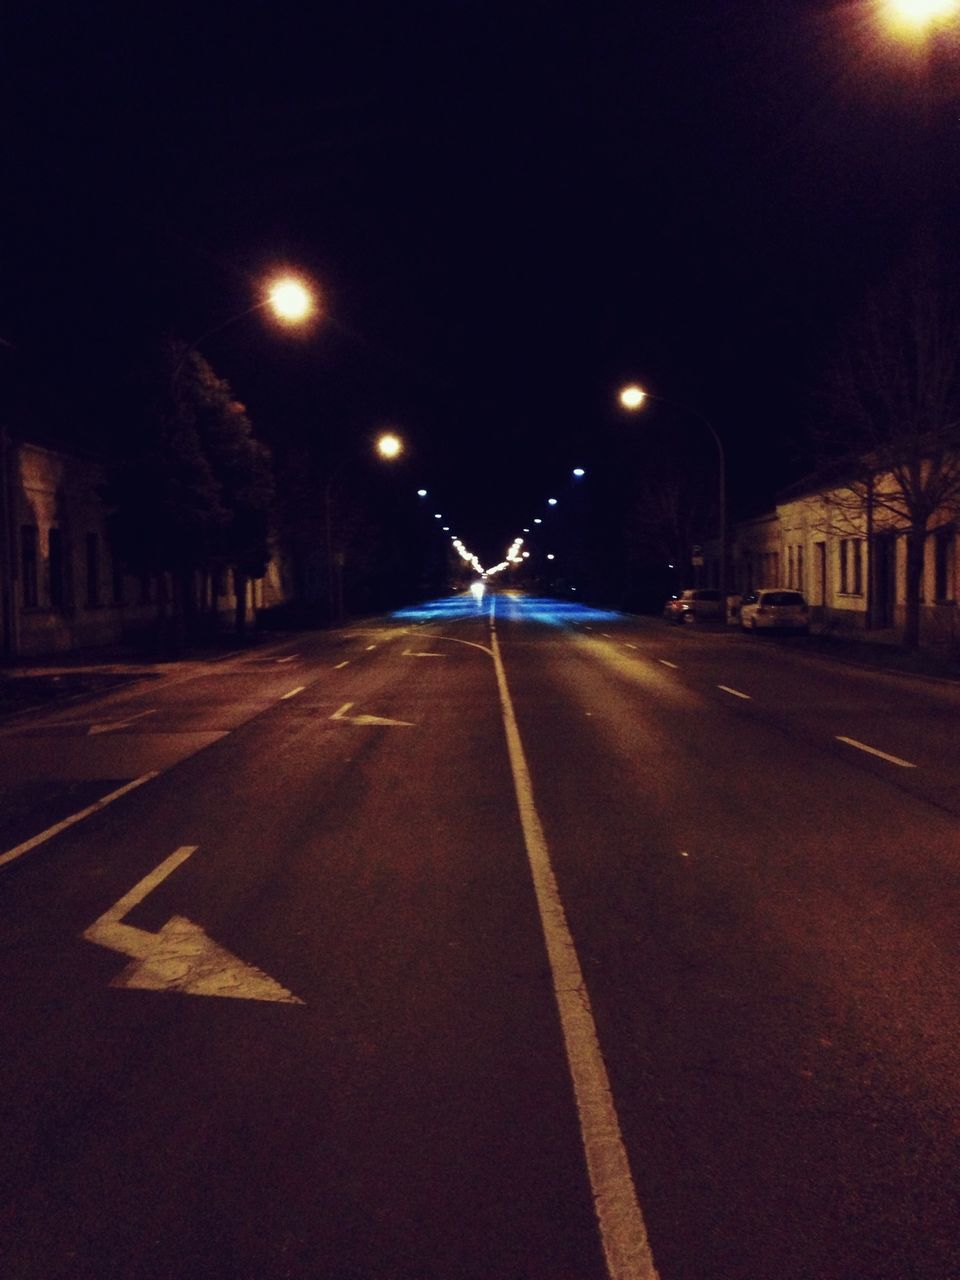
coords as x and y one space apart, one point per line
694 604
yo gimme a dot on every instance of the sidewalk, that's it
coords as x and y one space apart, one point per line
880 650
32 682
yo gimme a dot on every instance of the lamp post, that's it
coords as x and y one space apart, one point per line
632 398
389 446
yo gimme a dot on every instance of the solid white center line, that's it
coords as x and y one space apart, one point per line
623 1232
736 692
862 746
665 663
299 689
44 836
342 664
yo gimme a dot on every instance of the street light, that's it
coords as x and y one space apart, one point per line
919 16
632 398
288 297
388 446
290 300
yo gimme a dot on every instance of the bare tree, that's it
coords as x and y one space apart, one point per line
892 442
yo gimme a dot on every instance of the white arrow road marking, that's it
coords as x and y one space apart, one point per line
180 957
365 719
410 653
112 725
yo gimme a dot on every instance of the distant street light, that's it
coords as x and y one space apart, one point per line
579 472
551 502
336 559
633 397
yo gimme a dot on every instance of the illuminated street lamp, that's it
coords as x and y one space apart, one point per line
919 16
389 446
290 300
632 398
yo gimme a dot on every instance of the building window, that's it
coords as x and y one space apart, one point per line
851 566
28 566
944 584
93 571
57 565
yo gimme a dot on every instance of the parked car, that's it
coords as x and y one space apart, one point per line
694 604
774 609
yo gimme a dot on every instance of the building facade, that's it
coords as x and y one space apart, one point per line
844 551
63 586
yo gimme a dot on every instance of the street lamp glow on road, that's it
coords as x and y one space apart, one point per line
389 445
290 300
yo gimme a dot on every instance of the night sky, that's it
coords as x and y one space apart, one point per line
509 209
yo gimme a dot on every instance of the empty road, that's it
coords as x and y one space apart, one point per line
510 941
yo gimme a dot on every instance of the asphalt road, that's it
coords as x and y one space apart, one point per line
504 943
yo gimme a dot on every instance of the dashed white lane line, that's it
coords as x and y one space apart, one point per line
370 646
736 692
299 689
342 664
664 663
874 751
289 659
629 645
606 635
623 1232
50 832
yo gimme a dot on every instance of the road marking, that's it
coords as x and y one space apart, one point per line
342 664
663 662
370 646
629 645
365 719
606 635
50 832
623 1232
862 746
409 653
112 725
180 957
299 689
290 659
747 697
